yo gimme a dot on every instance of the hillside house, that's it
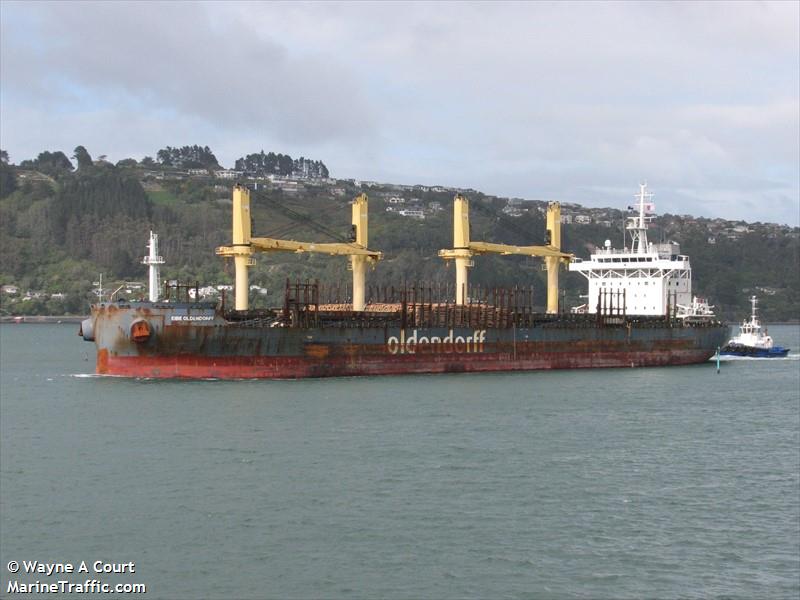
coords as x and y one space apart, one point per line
414 213
287 185
228 174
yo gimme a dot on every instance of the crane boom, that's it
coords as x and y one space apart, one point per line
505 249
244 246
334 249
464 249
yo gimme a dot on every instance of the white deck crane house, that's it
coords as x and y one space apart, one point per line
645 279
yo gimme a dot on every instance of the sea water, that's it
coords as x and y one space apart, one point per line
619 483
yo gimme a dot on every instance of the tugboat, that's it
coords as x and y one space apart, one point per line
752 341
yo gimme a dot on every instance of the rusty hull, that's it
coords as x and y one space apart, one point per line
172 340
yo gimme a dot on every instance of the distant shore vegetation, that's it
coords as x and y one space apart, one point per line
67 218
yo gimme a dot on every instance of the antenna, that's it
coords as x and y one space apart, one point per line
99 290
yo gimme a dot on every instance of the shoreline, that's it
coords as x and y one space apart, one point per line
41 319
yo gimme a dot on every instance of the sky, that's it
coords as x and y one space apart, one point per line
577 102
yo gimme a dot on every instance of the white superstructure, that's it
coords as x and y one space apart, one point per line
153 260
750 332
645 279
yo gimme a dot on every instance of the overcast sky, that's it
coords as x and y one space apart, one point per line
577 102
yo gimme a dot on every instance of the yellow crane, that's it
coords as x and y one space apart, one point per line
464 249
243 246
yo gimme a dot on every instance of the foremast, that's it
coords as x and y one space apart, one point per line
153 260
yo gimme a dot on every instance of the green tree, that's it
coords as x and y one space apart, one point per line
164 156
99 194
83 158
49 163
188 157
120 262
8 180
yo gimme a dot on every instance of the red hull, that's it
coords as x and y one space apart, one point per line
203 367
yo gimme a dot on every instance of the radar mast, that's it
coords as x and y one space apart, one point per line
637 225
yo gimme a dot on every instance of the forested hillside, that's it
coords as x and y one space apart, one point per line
61 227
263 164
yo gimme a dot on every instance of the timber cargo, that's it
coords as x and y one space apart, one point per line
408 329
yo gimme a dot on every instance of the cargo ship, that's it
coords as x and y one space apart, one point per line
410 328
